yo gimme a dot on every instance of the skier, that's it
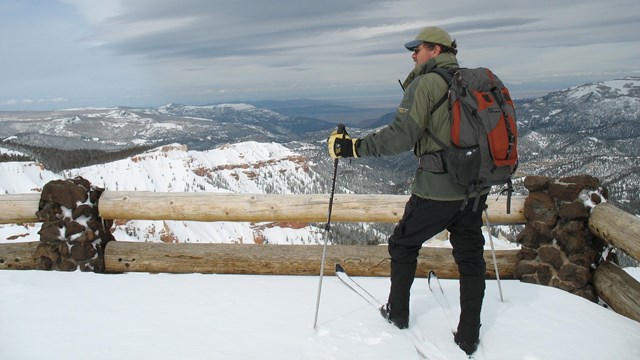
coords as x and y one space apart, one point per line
435 203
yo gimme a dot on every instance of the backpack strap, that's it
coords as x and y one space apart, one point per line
448 78
509 190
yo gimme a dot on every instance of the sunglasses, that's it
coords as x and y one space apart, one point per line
422 46
418 48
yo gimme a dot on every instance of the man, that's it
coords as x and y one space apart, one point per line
435 203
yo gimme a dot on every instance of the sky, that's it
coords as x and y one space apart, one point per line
106 53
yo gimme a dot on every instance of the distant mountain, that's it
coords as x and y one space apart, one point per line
592 128
589 129
246 167
246 114
327 111
376 123
115 129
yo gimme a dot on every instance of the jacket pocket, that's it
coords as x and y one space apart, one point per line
433 162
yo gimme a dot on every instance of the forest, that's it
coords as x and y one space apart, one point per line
56 159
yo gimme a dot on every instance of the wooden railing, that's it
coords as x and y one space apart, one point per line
250 258
21 208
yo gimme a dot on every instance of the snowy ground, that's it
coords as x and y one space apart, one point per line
56 315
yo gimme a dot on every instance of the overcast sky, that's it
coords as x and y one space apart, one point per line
70 53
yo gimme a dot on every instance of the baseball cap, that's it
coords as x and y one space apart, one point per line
431 34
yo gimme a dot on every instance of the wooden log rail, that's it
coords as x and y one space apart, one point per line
256 259
617 227
18 208
360 260
246 207
621 230
618 289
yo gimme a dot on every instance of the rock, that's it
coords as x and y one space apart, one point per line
529 237
72 227
527 253
51 231
564 191
83 210
525 267
586 258
572 236
64 192
83 251
588 293
578 275
537 183
545 273
540 207
530 279
551 255
587 181
573 211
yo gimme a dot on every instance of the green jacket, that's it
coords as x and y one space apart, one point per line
407 130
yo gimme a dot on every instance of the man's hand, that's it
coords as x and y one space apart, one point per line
341 145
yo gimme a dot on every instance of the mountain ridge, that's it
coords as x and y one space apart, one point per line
591 128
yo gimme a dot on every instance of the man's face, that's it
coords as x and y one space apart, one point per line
422 53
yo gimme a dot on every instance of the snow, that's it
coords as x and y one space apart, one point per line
620 88
23 177
236 107
57 315
10 152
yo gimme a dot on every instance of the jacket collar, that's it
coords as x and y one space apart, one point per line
445 60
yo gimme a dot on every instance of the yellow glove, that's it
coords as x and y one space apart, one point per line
341 145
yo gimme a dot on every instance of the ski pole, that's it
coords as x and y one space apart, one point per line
493 252
327 227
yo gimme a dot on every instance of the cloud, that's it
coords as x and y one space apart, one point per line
34 101
218 28
208 50
168 31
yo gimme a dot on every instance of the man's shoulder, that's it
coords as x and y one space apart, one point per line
430 81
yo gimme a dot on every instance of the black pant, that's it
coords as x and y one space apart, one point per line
422 220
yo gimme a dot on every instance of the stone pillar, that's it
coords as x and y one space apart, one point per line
557 247
73 236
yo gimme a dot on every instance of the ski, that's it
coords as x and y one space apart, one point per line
441 299
355 287
422 347
438 293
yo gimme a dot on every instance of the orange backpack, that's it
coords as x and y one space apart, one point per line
483 148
